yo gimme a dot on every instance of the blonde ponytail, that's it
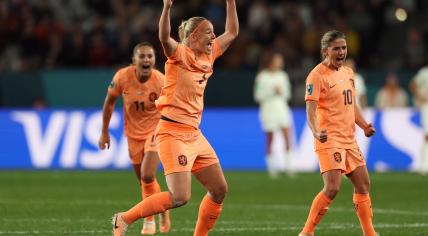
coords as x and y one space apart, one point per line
188 26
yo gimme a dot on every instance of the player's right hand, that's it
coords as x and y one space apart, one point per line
321 135
104 141
167 3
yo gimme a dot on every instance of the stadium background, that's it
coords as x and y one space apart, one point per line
57 58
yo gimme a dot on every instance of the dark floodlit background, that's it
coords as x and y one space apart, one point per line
57 58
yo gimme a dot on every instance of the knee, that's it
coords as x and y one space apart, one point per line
364 187
147 179
180 199
219 192
331 191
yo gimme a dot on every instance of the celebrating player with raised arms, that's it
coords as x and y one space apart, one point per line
183 148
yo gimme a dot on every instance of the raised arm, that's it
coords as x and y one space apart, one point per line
108 109
311 116
232 26
368 128
169 44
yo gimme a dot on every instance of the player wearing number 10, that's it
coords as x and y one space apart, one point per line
140 85
332 114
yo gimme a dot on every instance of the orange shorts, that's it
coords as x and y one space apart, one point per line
346 160
137 148
183 148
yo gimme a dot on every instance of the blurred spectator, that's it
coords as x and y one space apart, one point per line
38 34
39 103
415 48
391 95
360 85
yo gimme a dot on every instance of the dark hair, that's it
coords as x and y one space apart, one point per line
267 58
329 37
142 44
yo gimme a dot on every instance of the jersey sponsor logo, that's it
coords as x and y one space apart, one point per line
337 157
310 89
182 160
331 86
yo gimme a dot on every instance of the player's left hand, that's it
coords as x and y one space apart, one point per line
369 130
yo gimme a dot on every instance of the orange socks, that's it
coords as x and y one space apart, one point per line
152 205
318 210
148 189
363 208
208 214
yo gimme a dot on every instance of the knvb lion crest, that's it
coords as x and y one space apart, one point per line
153 96
182 160
337 157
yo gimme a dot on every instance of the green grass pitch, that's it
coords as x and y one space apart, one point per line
82 203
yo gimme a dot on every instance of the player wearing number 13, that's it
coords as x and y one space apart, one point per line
332 114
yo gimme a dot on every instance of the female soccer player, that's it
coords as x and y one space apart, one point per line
140 85
183 148
332 114
272 90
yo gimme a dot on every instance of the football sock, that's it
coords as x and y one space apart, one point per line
152 205
424 158
319 208
287 162
208 214
147 190
363 208
270 163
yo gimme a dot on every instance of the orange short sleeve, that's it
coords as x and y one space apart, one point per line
115 87
313 87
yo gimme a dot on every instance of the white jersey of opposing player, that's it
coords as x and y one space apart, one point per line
274 110
360 88
421 82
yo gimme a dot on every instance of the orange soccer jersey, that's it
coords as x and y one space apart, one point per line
186 77
334 90
141 115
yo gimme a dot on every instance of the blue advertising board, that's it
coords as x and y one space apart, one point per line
68 139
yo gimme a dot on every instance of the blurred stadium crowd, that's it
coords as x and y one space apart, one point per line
101 33
48 34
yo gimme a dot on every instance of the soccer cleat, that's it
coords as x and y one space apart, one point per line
119 225
305 234
149 227
164 222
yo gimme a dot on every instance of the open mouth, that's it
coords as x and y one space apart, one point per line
210 45
145 67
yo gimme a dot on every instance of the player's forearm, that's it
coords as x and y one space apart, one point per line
164 25
107 113
232 23
311 116
359 119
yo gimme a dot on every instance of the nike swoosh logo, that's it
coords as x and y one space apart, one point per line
332 86
115 223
